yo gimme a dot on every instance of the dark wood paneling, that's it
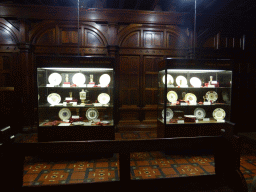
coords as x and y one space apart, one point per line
132 40
129 80
93 15
153 39
48 37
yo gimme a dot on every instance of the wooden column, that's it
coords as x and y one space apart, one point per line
27 87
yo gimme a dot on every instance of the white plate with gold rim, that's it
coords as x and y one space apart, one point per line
219 114
79 79
64 114
211 96
199 113
195 82
181 81
54 98
190 97
172 96
170 79
92 114
104 80
55 79
103 98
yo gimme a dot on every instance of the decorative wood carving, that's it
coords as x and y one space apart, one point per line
69 36
8 33
153 39
132 40
93 39
48 37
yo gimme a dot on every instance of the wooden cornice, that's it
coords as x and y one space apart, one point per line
93 15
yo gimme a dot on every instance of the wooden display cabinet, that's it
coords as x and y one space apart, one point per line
194 97
76 98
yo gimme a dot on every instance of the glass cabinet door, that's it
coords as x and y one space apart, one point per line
194 96
75 96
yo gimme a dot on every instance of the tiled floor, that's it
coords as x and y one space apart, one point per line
144 165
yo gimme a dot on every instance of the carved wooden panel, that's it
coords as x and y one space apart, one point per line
47 38
132 40
153 39
150 79
92 39
129 80
69 36
5 37
5 71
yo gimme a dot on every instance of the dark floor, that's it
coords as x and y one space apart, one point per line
144 165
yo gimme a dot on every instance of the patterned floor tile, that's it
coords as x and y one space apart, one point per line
146 173
77 175
162 162
80 165
189 170
155 164
36 168
99 175
54 177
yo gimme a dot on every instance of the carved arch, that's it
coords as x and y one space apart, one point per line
13 36
132 33
45 27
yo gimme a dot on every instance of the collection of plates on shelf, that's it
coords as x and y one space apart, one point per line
79 79
199 113
91 114
55 98
210 96
181 81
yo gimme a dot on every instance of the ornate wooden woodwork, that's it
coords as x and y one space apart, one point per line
138 40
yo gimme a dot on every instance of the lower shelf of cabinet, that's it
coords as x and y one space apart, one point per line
75 133
191 130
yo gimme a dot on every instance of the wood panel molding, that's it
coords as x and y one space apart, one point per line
151 51
70 50
154 36
54 32
8 33
93 15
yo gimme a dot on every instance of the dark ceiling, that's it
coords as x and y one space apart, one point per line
205 6
208 11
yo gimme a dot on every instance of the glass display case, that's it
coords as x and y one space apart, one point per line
76 98
194 97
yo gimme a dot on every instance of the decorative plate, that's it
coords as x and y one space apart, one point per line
103 98
219 114
64 114
104 79
78 79
181 81
169 113
190 97
92 114
55 79
169 79
172 96
199 113
54 98
195 82
38 96
211 96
